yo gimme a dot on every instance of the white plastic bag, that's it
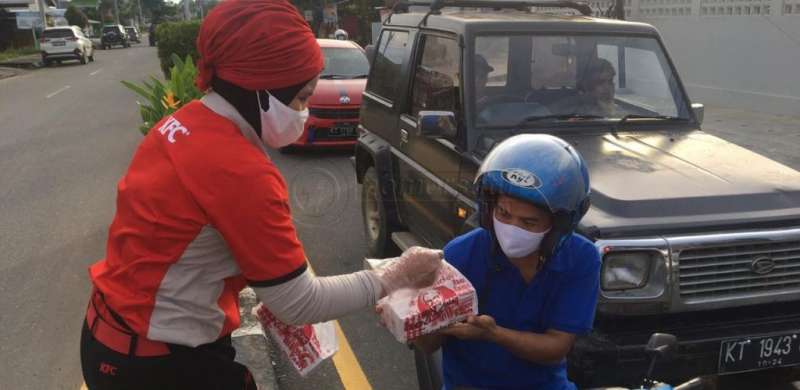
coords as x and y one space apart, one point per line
306 346
409 314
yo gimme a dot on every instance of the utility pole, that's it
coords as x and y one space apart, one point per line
187 13
116 11
200 5
141 15
42 13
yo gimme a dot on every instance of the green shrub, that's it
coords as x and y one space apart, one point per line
162 99
176 38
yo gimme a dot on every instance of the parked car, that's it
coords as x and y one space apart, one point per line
699 237
133 34
334 107
114 35
65 43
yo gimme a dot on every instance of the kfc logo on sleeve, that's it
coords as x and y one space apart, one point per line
172 126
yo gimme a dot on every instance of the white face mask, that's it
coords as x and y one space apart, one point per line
517 242
281 125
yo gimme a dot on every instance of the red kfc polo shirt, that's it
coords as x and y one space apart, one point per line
201 212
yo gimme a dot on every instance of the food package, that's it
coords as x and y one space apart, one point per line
306 346
409 313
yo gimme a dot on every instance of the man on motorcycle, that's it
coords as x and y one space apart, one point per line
537 280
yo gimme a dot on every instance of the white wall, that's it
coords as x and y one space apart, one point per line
741 54
748 64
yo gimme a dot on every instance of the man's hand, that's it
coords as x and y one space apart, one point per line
475 328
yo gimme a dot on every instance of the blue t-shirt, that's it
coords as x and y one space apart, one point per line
562 296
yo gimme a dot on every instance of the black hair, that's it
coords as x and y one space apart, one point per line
246 101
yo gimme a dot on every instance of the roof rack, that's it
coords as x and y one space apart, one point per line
437 5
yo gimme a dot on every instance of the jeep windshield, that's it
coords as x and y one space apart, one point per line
341 63
551 80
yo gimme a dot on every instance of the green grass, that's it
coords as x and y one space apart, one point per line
14 53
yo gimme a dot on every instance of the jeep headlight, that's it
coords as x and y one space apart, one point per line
627 270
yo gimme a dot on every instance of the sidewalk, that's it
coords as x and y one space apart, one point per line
8 72
28 62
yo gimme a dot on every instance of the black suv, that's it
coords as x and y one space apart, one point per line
114 35
700 237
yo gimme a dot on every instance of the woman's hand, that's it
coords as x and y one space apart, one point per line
474 328
415 268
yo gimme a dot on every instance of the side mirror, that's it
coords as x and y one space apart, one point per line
437 124
699 112
662 346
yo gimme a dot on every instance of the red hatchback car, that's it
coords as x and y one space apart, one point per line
333 109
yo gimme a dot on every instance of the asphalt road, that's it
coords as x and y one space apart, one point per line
325 203
67 135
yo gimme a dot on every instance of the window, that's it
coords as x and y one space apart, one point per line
646 82
495 51
342 63
390 54
606 77
59 33
436 78
552 63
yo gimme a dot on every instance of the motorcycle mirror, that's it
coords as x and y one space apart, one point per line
662 345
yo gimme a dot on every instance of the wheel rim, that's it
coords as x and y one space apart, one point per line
372 215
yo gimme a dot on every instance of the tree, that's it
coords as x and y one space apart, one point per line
76 17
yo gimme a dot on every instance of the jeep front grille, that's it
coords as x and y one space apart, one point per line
739 271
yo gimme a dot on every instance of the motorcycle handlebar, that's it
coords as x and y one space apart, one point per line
694 384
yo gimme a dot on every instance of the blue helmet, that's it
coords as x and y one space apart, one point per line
543 170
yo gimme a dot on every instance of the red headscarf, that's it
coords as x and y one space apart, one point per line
257 44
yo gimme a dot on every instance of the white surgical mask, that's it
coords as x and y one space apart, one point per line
517 242
281 125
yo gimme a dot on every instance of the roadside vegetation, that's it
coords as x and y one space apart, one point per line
14 53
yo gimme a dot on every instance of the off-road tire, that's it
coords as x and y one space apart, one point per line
376 225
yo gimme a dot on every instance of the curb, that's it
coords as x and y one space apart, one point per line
8 72
24 64
252 346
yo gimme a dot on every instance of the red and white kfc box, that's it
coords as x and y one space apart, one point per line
409 314
306 346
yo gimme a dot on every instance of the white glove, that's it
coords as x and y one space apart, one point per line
415 268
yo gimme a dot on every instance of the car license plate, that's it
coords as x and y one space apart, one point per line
59 43
756 353
342 131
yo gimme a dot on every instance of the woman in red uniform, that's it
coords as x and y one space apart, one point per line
202 212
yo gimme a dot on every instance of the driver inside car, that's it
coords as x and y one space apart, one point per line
537 280
595 91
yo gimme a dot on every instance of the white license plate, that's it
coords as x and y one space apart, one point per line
343 131
759 352
59 43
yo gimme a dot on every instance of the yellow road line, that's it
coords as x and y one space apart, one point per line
350 372
345 361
